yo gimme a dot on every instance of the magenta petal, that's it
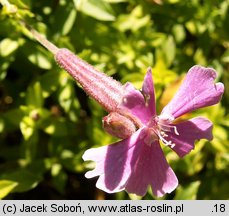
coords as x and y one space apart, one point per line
140 105
114 162
151 168
189 131
134 102
198 90
148 92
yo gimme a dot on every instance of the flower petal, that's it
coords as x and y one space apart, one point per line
141 105
151 168
134 103
114 162
189 131
148 92
198 90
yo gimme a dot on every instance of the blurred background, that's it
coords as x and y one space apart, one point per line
47 121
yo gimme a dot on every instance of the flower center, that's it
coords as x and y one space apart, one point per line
158 127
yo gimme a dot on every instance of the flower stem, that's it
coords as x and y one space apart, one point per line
40 38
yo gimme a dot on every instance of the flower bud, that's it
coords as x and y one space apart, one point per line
118 125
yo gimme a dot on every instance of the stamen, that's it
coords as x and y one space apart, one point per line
159 128
167 143
163 134
175 130
168 127
173 145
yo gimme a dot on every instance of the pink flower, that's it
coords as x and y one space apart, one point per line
136 162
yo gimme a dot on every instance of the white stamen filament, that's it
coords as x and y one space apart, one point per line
167 127
160 129
173 145
161 135
175 130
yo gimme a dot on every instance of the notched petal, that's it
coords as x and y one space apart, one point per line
152 169
189 131
114 162
198 90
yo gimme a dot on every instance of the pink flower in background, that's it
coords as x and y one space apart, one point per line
137 161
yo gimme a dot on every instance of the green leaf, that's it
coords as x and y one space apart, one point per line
7 47
34 95
179 32
133 21
57 127
2 125
24 180
40 60
20 3
69 22
51 80
72 161
6 187
59 177
222 162
37 55
169 50
4 64
95 8
13 117
65 97
135 78
135 197
162 75
220 141
27 127
187 193
225 57
64 17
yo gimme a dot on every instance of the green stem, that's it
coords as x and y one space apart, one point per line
40 38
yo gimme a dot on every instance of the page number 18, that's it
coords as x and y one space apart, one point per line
219 208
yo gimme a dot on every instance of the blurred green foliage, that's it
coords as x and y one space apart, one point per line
47 121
